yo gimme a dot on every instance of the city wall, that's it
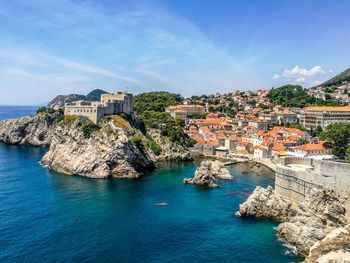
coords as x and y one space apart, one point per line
293 181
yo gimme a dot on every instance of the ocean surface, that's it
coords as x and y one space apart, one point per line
49 217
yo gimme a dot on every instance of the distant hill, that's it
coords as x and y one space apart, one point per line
338 79
60 100
95 95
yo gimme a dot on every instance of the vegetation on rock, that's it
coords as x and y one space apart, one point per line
170 127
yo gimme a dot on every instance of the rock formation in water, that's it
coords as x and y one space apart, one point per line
265 203
36 130
107 151
321 212
207 173
115 148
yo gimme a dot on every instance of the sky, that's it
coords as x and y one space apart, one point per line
191 47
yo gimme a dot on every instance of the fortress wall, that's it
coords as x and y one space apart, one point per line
294 184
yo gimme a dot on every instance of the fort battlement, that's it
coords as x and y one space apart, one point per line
295 176
110 104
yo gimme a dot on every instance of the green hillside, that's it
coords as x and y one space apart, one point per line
338 79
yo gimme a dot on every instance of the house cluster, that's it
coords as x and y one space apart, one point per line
226 136
341 93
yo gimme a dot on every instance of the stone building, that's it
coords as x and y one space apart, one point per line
314 116
110 104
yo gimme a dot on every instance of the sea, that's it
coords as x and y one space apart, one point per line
51 217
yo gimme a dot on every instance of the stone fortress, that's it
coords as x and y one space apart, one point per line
295 176
110 104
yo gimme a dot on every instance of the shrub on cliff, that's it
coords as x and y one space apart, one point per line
137 141
169 127
88 128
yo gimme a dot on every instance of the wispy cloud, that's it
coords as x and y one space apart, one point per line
143 47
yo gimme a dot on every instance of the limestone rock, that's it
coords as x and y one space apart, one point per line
335 247
218 170
207 172
321 212
36 130
107 153
170 150
265 203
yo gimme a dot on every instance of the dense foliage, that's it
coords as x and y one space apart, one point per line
170 127
338 134
155 101
88 128
290 95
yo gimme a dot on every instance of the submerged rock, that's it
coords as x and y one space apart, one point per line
207 173
265 203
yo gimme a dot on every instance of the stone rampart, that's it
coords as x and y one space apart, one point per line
295 176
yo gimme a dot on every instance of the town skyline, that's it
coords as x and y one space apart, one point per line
50 48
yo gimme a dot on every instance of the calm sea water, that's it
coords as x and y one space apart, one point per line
48 217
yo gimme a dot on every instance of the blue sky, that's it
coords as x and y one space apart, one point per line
50 47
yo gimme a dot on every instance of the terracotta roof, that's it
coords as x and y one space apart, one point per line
279 148
311 147
327 108
214 143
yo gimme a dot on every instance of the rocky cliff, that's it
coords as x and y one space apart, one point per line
170 150
265 203
106 151
37 130
115 148
303 226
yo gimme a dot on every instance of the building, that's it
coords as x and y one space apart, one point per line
184 110
110 104
318 150
314 116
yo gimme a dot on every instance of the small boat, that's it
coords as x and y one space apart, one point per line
162 204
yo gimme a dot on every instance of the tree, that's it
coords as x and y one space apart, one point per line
155 101
290 95
338 134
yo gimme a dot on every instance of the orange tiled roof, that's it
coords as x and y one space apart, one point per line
327 108
279 148
311 147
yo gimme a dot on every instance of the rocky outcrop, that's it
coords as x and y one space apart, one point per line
170 150
108 152
37 130
335 247
207 173
265 203
321 212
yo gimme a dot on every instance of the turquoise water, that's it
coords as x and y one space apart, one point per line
48 217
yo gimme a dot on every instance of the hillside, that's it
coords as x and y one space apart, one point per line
60 100
338 79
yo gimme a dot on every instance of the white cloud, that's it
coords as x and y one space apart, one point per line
302 72
276 76
300 80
